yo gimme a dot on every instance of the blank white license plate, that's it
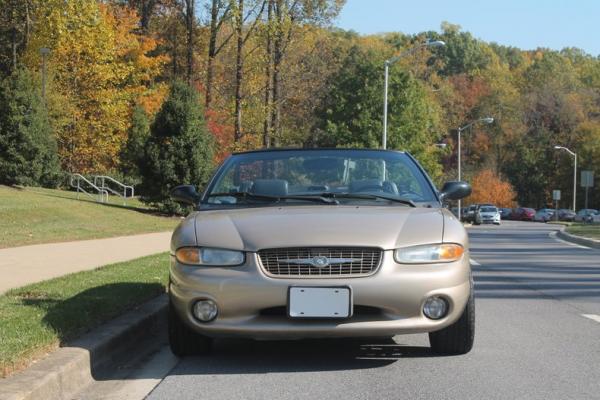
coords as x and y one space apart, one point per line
319 302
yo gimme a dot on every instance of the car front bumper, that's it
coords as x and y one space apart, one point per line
252 304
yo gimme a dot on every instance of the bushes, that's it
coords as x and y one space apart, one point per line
28 154
179 149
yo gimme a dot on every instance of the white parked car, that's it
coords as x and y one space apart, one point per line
487 215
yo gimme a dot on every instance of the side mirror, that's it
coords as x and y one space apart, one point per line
185 194
455 190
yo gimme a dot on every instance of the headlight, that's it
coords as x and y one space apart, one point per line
430 253
209 256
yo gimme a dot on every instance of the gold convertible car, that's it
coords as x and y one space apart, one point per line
315 243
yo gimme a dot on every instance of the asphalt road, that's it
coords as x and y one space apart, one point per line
537 337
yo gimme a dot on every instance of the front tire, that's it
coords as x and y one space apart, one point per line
183 340
457 338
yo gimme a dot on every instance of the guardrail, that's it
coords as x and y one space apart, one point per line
75 182
125 191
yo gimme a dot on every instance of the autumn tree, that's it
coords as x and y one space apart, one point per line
99 70
285 17
488 187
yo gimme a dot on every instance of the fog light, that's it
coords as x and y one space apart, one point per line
205 310
435 308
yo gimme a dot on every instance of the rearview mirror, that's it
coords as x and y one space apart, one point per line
185 194
455 190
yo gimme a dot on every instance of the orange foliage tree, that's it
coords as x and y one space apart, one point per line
488 187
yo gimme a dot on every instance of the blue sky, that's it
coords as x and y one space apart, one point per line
527 24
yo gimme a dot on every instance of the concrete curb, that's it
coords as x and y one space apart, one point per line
69 369
578 239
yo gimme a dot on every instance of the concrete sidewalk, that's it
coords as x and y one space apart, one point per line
20 266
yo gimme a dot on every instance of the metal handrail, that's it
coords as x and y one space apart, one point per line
75 182
102 185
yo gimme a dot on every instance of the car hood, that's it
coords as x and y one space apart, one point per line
252 229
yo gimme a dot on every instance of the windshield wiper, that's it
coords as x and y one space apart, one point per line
276 199
367 196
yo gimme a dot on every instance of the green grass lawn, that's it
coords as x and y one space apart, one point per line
38 318
36 215
585 230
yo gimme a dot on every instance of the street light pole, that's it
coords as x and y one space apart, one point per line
387 63
574 174
487 120
385 104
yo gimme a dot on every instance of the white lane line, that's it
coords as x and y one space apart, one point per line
593 317
553 236
475 263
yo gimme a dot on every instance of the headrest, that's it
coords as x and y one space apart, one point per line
270 187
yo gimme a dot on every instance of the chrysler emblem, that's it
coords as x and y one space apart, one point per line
319 261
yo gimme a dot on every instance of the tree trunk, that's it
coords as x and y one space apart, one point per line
239 71
146 11
189 18
277 57
212 49
14 48
268 80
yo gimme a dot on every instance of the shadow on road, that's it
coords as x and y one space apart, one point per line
236 356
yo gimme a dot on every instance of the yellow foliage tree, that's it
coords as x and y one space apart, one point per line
488 187
100 68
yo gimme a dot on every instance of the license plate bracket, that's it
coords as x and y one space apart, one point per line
319 302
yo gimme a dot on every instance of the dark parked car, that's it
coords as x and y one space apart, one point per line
469 215
522 214
566 215
505 213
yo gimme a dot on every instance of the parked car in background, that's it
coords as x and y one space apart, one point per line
469 216
585 215
522 214
487 215
566 215
544 215
505 213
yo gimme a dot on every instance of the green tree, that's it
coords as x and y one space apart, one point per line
179 149
132 152
28 153
351 114
462 52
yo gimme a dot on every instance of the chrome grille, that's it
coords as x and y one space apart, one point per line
343 261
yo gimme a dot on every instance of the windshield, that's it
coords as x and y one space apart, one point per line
488 209
293 176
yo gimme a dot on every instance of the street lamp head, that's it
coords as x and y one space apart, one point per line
441 145
557 147
435 43
488 120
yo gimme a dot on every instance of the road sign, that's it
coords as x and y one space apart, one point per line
587 179
556 195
